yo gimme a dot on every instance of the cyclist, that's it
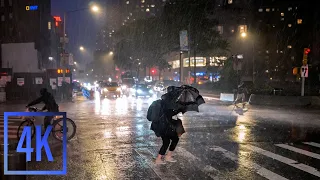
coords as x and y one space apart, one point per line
50 105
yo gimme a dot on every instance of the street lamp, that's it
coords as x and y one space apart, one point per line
64 40
81 48
75 63
110 53
244 35
95 8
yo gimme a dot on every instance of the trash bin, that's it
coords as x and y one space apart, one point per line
16 161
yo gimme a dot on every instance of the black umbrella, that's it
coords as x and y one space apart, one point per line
182 99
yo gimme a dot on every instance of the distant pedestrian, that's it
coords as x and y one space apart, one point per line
241 95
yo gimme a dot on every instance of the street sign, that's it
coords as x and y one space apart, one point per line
304 71
184 46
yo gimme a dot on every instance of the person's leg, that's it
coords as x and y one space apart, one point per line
173 145
163 149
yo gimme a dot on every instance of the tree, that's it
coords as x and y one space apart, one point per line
150 39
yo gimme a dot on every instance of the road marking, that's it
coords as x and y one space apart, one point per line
157 169
249 164
297 150
207 169
290 162
312 144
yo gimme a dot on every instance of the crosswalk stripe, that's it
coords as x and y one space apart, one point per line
249 164
207 169
297 150
290 162
161 174
312 144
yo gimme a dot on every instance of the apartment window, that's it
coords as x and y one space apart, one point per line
289 46
260 10
49 25
2 3
142 1
153 5
267 9
282 14
299 21
273 9
128 2
2 18
289 25
220 29
10 2
229 1
10 15
289 8
147 10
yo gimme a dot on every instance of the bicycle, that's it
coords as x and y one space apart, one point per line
57 129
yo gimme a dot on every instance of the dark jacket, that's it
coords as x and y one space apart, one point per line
48 100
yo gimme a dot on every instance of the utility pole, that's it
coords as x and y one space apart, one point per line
189 35
181 66
64 48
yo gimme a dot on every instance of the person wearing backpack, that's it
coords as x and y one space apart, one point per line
165 127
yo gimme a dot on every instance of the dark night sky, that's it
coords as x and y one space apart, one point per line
82 26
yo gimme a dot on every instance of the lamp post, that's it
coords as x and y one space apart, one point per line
64 40
181 67
244 35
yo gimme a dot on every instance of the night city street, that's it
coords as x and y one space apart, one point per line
113 141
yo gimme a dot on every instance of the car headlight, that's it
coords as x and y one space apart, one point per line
118 89
139 91
124 87
105 89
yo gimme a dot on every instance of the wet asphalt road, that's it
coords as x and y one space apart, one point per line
113 141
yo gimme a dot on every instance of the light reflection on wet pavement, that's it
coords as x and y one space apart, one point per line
114 141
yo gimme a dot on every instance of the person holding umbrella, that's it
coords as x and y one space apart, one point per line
176 100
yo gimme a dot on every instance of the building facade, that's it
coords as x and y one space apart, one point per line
28 21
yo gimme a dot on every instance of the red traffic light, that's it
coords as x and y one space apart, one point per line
153 71
307 50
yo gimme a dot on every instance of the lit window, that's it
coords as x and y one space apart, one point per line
267 51
242 29
2 3
268 10
289 25
147 9
2 18
273 9
142 6
229 1
130 14
260 10
152 5
282 14
289 8
10 15
289 46
128 2
49 25
282 19
299 21
142 1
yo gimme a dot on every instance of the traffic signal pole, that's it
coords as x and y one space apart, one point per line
303 69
